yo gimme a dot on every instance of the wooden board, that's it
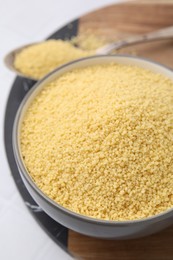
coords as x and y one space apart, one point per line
120 21
117 22
155 247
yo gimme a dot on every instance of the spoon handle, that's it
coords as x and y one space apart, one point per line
162 34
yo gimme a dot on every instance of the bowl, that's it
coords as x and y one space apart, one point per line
80 223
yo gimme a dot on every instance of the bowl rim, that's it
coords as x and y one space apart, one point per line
23 171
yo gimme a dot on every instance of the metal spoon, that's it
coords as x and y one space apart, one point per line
162 34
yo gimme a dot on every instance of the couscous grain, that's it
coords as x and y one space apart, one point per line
99 141
38 60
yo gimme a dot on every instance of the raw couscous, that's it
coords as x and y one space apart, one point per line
38 60
99 141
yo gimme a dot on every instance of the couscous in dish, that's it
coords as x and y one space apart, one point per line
99 141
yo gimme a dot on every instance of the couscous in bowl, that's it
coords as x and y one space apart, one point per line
89 225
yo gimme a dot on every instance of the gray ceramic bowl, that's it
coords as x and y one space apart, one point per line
74 221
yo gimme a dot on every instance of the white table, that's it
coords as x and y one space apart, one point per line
22 22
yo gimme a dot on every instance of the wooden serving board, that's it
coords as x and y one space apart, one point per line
116 22
122 20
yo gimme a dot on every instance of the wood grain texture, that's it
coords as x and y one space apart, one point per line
117 22
120 21
154 247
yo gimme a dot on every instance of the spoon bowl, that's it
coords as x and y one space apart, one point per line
10 58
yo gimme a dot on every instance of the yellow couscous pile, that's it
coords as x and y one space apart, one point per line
38 60
89 41
99 141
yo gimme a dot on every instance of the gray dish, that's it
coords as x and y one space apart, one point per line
79 223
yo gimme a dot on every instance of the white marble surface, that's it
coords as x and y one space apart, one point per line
22 22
